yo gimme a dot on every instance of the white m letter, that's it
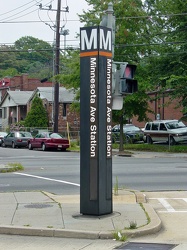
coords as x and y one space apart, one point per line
105 43
87 44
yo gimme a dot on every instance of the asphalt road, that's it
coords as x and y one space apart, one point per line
58 172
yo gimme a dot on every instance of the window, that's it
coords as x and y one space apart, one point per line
175 125
148 126
11 135
64 112
155 126
4 113
54 135
162 127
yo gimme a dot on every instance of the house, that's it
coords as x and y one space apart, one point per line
14 107
16 104
66 98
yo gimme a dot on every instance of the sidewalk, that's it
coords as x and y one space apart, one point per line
46 214
142 154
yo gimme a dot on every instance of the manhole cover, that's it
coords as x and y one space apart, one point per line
38 205
146 246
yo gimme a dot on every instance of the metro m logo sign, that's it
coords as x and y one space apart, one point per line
94 38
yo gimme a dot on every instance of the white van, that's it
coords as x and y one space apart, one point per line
171 131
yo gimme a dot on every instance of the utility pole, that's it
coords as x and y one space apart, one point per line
57 62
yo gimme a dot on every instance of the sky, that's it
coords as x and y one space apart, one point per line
19 18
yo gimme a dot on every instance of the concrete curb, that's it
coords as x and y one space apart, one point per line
153 227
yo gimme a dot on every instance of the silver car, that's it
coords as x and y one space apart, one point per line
16 139
171 131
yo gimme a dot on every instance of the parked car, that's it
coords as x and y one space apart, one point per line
16 139
2 135
47 140
170 131
131 133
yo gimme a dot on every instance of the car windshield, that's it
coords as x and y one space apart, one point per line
3 134
20 134
175 125
54 135
26 134
130 128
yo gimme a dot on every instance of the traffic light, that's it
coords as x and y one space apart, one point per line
127 83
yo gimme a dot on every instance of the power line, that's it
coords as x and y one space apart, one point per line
151 16
149 44
8 12
20 13
24 10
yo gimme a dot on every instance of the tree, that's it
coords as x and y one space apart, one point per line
127 31
71 75
8 61
37 116
31 52
130 27
167 61
27 55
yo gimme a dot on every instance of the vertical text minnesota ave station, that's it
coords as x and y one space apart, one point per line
93 107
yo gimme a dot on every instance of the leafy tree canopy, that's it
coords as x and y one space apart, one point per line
27 55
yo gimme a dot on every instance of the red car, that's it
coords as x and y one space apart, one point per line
48 140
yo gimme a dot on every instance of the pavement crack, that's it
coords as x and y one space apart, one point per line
60 206
17 204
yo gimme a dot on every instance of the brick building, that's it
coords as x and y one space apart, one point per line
22 83
16 95
163 108
66 97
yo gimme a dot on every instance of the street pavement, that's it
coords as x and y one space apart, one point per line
57 216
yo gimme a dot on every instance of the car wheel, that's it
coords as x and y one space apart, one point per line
171 140
149 140
44 147
13 145
3 144
30 146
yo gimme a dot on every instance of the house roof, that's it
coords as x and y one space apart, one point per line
18 97
65 95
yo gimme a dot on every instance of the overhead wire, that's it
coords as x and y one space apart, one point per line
9 18
65 20
24 10
8 12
